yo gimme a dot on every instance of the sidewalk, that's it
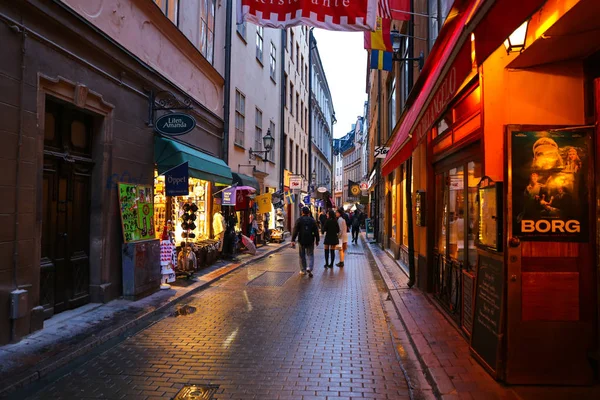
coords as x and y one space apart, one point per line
443 352
74 333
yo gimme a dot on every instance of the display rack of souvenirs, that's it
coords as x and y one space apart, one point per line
167 259
186 259
277 233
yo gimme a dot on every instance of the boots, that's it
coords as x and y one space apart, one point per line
332 257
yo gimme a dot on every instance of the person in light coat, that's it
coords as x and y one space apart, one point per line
342 235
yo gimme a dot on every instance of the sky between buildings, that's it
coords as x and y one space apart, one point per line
345 62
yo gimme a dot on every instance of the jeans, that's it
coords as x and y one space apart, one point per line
355 232
307 252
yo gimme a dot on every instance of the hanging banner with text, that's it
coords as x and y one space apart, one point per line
550 185
229 196
177 180
335 15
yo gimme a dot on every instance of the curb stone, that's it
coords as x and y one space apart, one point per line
59 361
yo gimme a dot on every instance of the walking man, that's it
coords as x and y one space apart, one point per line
356 221
307 232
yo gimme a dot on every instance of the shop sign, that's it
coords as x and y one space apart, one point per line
364 185
381 151
306 199
136 203
295 182
177 180
372 179
174 124
229 196
321 189
549 185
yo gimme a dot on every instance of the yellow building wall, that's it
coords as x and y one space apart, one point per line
543 95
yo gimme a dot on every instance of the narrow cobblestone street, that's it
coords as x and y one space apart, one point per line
263 332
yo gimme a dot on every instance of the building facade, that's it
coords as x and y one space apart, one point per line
487 183
255 87
79 80
322 120
295 113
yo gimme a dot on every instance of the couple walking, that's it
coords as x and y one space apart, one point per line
307 233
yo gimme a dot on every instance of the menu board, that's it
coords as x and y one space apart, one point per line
487 317
490 216
137 212
467 302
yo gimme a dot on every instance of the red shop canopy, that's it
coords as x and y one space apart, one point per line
406 139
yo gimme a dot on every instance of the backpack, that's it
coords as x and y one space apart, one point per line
307 227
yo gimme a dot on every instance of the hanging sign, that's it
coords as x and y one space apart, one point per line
264 203
174 124
229 197
295 182
306 199
335 15
177 180
137 212
364 185
321 189
380 151
550 185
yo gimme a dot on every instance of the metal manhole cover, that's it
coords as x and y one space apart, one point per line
355 253
271 278
197 392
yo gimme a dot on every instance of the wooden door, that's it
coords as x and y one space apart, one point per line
64 267
551 295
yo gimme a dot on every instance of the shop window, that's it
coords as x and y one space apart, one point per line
207 28
393 188
240 117
405 209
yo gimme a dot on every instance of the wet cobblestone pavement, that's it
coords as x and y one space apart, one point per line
286 337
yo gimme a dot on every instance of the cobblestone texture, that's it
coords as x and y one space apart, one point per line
319 338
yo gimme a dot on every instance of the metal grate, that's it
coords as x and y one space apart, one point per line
197 392
271 278
355 253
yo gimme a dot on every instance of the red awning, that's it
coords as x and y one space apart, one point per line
439 56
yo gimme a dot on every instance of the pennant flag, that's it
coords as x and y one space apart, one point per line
398 10
381 60
289 197
355 15
380 39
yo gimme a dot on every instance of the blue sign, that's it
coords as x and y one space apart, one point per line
307 199
177 180
174 124
228 196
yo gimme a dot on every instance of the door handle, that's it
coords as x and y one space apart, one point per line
513 278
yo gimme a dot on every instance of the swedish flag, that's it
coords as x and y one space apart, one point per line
381 60
289 197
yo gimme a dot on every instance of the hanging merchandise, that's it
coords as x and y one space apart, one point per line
186 260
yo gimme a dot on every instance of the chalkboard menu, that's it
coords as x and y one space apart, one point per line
467 302
369 226
137 212
487 318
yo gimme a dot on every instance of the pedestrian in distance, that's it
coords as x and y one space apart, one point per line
322 220
355 221
342 235
331 229
307 232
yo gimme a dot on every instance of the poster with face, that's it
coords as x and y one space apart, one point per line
549 190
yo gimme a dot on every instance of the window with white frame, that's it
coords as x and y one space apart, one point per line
240 117
273 62
207 28
258 129
259 43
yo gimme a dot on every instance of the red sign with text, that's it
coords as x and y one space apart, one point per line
336 15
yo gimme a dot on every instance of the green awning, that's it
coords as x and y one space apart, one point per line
169 153
245 180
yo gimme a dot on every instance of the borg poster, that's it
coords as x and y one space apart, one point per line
549 187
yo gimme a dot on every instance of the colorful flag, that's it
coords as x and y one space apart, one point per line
335 15
381 60
380 39
289 197
264 203
398 10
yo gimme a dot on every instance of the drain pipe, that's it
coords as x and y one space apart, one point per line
227 88
282 110
18 30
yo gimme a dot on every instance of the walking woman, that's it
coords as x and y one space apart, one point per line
343 235
330 230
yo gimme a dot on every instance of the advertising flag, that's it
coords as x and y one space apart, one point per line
398 10
228 196
380 38
176 180
381 60
335 15
264 203
289 197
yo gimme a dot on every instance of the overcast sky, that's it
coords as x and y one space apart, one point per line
344 60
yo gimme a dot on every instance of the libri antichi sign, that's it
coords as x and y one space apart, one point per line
337 15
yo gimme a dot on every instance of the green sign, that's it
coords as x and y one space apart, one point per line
369 227
136 204
174 124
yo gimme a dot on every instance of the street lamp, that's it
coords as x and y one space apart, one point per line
516 41
314 176
268 142
397 37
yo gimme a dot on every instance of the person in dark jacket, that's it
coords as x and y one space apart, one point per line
307 232
356 221
331 229
322 219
